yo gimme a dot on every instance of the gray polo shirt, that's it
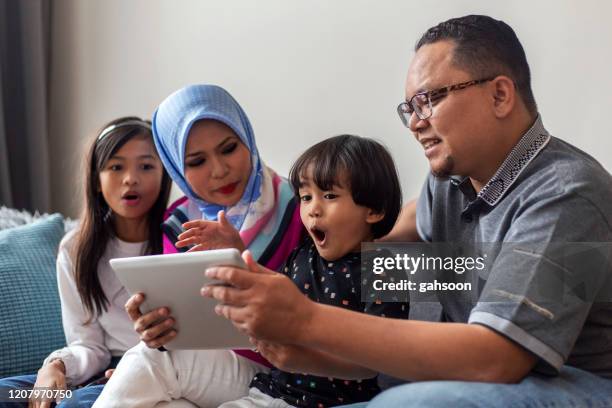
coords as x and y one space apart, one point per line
545 193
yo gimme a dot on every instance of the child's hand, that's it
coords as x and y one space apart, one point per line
50 377
210 235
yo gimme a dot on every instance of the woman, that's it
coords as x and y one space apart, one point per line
207 145
232 199
203 123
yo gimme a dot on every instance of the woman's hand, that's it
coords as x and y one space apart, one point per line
156 327
210 235
51 376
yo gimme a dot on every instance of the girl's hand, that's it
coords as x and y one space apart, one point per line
50 377
210 235
156 327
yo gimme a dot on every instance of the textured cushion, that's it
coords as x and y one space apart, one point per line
30 314
10 217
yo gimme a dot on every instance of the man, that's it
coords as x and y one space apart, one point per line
469 104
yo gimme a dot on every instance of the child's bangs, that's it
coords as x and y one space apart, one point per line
320 166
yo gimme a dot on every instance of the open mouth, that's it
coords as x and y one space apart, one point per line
318 234
131 198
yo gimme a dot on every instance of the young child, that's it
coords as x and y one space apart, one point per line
349 193
126 191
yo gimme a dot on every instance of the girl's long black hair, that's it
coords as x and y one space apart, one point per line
96 225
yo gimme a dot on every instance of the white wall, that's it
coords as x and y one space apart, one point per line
305 70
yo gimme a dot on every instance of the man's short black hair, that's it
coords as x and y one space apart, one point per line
486 47
362 163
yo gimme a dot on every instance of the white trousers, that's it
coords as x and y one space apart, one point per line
206 378
256 399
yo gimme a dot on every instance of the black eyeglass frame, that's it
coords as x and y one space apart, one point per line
406 108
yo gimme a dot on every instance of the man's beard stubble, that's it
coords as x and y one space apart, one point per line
446 169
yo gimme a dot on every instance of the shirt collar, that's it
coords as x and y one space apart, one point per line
527 148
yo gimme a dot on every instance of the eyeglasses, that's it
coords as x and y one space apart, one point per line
422 102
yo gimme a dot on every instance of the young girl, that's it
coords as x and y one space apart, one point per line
126 191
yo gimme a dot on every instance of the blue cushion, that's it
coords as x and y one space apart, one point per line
30 313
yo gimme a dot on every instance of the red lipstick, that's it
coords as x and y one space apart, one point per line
228 189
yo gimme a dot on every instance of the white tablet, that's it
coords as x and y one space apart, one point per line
174 280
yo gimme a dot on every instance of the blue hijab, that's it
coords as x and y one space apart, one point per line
172 122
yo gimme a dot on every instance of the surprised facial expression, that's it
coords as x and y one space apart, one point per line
131 179
334 222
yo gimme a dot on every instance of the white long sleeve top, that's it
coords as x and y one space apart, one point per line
90 347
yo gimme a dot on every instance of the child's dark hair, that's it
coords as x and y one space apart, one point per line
365 165
96 226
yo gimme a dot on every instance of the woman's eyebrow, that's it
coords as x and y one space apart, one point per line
229 138
198 152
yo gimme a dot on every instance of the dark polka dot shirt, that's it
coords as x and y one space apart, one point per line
335 283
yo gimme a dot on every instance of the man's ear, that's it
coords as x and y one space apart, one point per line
374 217
504 95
